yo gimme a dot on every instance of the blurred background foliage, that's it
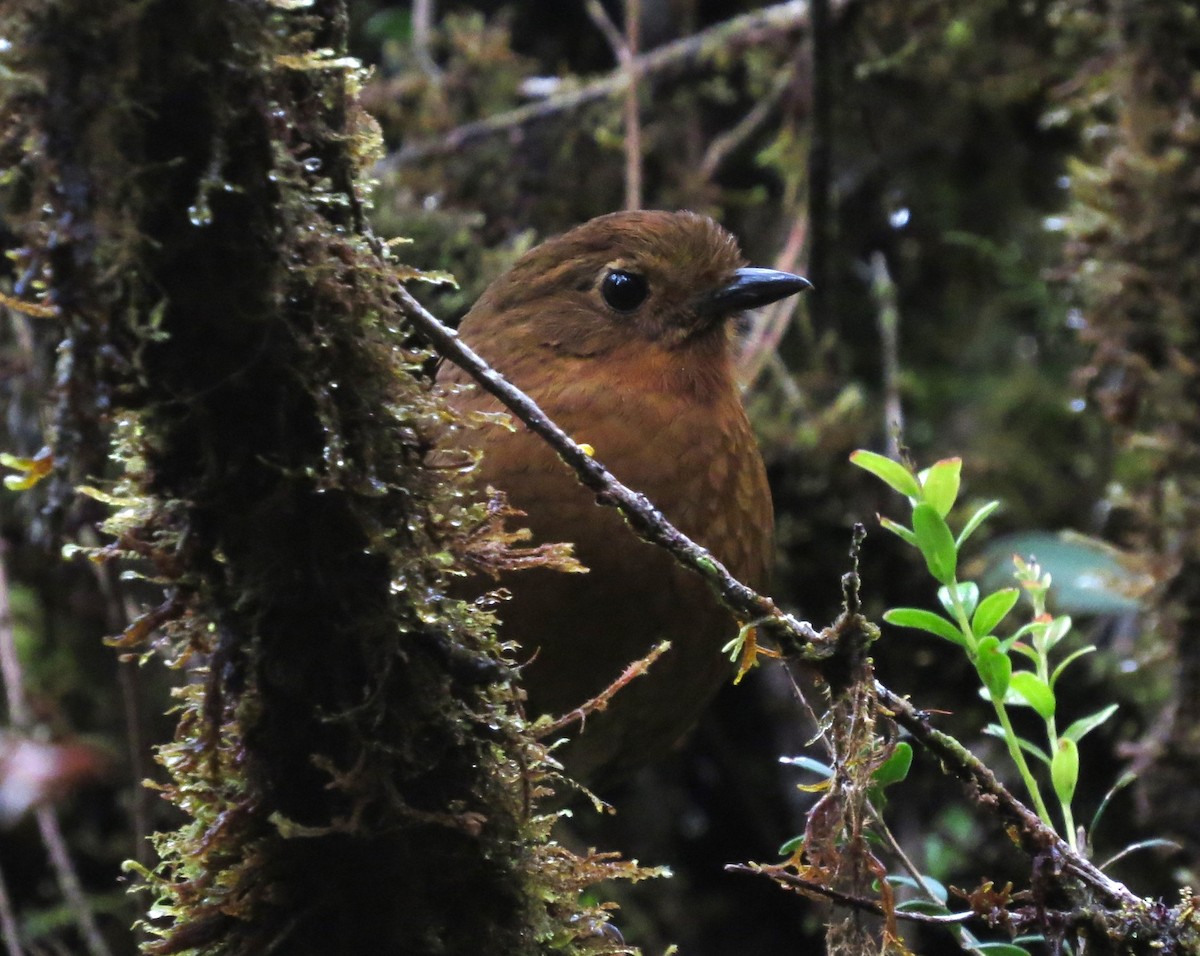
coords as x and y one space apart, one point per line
961 156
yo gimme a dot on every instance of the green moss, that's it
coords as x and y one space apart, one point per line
354 771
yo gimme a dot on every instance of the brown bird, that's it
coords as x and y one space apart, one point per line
620 330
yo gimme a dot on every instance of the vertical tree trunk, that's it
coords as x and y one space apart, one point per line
355 777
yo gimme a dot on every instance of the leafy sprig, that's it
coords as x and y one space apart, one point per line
974 622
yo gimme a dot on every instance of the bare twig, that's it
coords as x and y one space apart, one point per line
21 715
422 31
625 50
721 146
701 49
68 881
781 875
633 119
761 344
580 714
612 33
9 930
883 291
820 158
798 637
966 938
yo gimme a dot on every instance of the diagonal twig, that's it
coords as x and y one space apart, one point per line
797 636
625 51
10 931
779 874
1034 835
21 716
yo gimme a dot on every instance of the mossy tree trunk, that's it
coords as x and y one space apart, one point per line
355 777
1136 236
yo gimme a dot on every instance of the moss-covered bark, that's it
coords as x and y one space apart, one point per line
355 777
1136 236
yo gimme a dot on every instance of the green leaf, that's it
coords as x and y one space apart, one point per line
1152 844
968 596
928 907
891 472
895 768
936 542
1067 660
1123 781
809 764
792 845
995 669
899 530
995 730
978 518
1011 643
939 484
1054 632
1035 691
1064 769
927 621
927 885
999 949
1084 725
992 610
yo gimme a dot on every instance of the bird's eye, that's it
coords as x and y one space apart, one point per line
624 291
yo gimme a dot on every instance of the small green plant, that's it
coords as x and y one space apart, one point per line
971 621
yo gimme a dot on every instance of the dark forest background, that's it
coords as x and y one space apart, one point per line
999 206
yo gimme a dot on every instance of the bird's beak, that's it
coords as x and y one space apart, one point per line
753 288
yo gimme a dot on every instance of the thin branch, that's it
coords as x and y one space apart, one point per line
798 637
701 49
600 702
19 713
1034 835
68 881
883 291
21 716
612 33
724 144
633 119
966 939
9 930
781 875
422 34
823 44
761 344
625 49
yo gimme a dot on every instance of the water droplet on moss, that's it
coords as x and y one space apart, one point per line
200 213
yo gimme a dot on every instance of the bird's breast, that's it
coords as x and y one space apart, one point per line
689 448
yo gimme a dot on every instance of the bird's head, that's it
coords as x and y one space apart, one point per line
669 279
